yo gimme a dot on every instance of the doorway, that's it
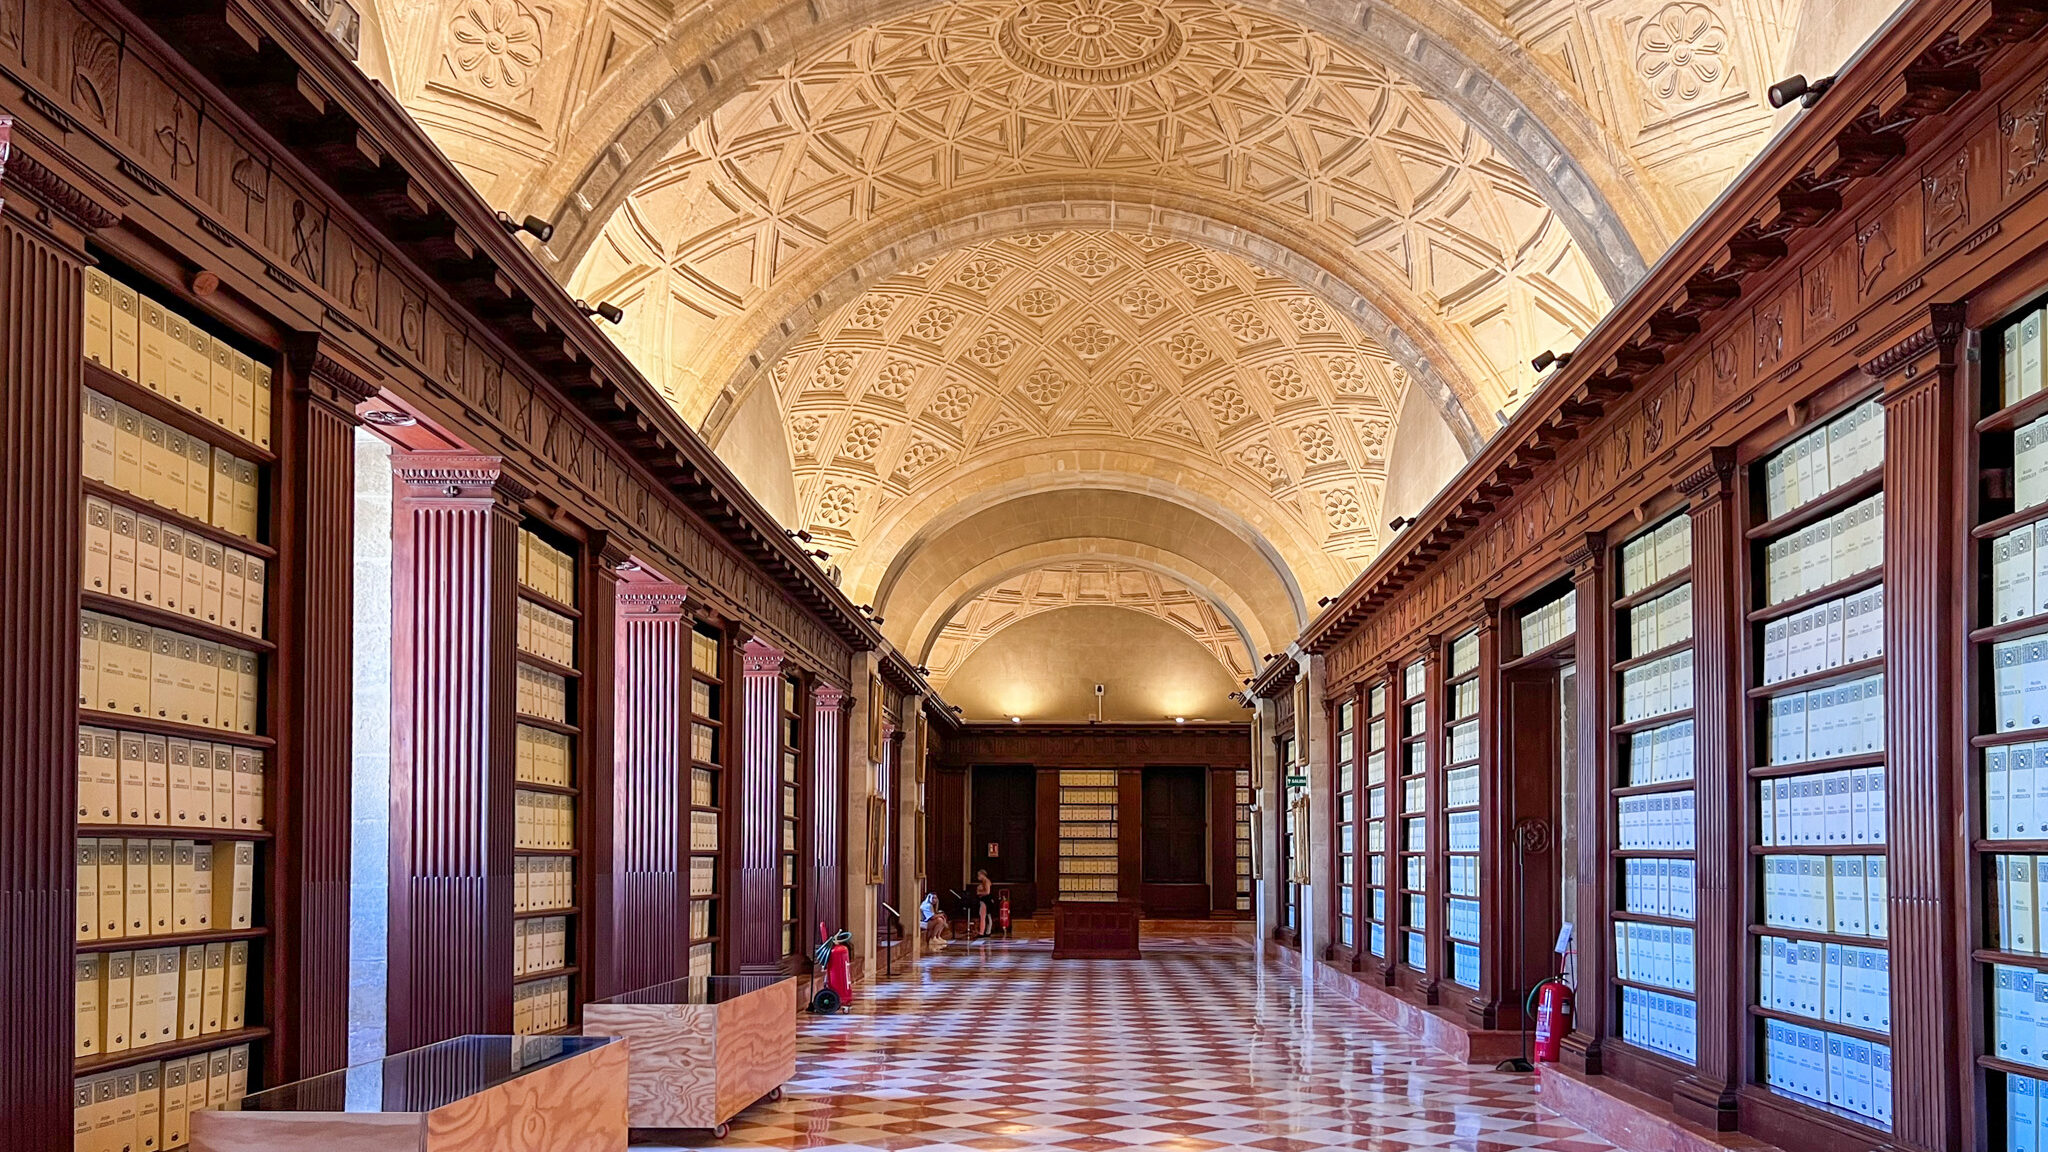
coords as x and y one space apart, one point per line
1004 831
1532 847
1174 840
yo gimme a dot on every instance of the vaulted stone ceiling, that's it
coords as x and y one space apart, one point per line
1003 299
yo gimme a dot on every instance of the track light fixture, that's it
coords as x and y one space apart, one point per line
1547 358
606 311
1796 87
533 226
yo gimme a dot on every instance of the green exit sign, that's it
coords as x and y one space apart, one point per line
1297 781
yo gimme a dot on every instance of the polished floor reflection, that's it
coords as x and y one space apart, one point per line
1198 1046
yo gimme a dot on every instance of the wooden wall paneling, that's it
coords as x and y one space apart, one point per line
1222 841
1592 653
1130 831
650 797
1720 783
828 809
42 308
1926 504
1048 834
596 945
315 673
754 917
455 571
947 829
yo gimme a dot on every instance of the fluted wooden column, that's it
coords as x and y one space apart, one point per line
316 624
828 811
455 572
1926 491
754 918
1389 965
42 308
1707 1096
1592 652
1497 944
649 891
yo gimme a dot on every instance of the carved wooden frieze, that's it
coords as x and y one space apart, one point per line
94 81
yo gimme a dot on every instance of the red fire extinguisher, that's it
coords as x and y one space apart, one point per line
1552 1001
1003 912
833 957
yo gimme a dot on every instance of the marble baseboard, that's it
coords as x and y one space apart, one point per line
1440 1028
1629 1118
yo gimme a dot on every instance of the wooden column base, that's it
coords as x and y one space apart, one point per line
1580 1052
1708 1105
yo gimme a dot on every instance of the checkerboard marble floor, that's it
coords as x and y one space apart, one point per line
1201 1045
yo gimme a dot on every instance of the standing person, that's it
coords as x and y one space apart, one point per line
984 901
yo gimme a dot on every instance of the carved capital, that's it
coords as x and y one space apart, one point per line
1940 336
828 698
759 659
653 600
1586 559
1711 476
460 476
51 193
329 374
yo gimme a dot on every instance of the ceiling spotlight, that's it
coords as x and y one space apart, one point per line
1807 92
1323 602
607 311
1016 719
389 418
820 553
1180 719
533 226
1399 522
799 534
1547 358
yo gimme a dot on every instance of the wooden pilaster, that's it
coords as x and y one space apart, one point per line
455 574
648 891
755 917
828 810
1592 652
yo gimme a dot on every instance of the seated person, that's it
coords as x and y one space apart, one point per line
931 920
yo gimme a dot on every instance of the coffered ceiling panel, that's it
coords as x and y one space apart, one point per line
1159 357
786 181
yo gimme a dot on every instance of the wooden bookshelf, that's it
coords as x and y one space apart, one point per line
1375 817
707 759
177 776
1088 836
1344 827
1459 787
1411 873
1651 954
1816 791
791 825
548 816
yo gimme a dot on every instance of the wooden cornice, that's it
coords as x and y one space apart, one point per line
1924 67
296 84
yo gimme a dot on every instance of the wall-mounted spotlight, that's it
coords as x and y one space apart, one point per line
923 671
820 553
1807 92
533 226
389 418
1016 719
607 311
1180 719
626 566
1546 358
1399 522
798 534
1323 602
